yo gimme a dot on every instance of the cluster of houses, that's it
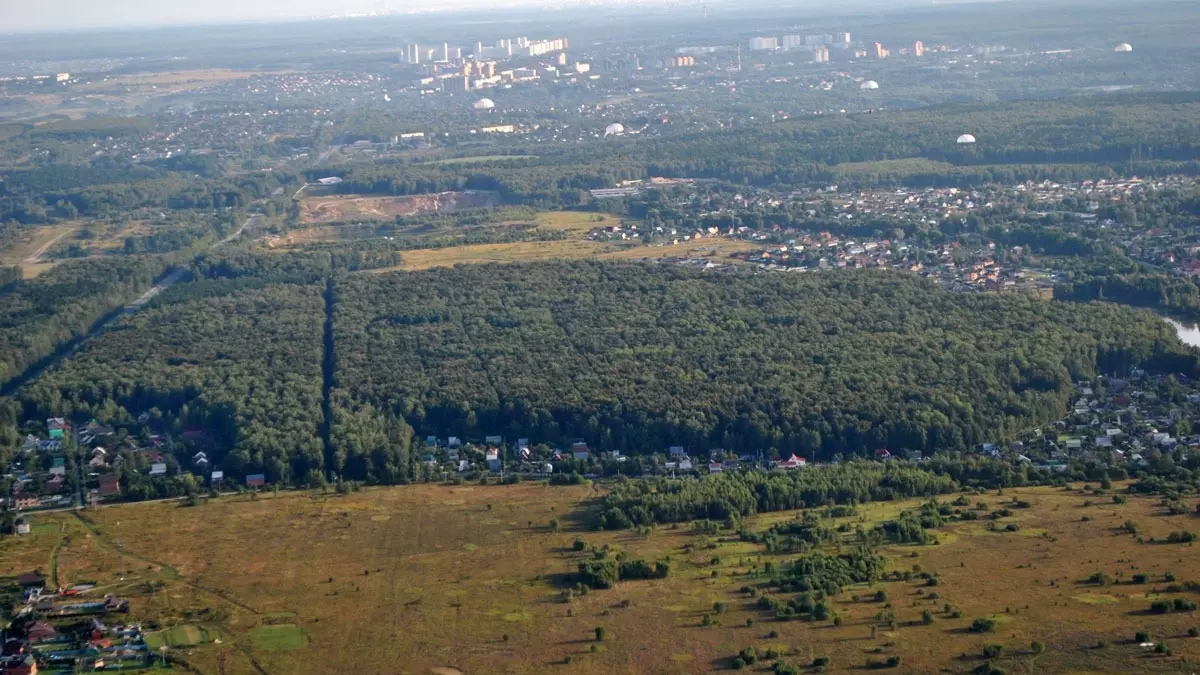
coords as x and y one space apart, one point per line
64 630
455 454
678 460
1118 421
93 458
39 478
952 266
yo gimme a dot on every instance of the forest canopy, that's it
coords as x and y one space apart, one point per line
639 357
302 379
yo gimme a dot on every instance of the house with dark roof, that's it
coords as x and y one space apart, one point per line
41 631
110 485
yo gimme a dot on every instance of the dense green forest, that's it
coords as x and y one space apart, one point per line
242 368
637 358
633 357
38 315
68 191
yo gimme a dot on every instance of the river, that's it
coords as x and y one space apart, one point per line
1188 332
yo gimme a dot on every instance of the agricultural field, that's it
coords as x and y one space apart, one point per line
471 579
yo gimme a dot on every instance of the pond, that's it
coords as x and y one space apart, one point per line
1188 332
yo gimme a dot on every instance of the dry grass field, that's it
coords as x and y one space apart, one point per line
567 249
421 578
577 225
166 82
315 209
521 251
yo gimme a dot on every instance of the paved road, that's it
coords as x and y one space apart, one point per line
251 220
178 273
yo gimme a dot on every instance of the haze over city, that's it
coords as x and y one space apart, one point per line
58 15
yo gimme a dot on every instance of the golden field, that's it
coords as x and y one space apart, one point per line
469 578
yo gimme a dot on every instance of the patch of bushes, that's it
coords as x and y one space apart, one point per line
983 625
1181 537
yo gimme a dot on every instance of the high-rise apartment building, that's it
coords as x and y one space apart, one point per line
762 44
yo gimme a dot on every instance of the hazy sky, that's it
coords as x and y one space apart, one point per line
26 15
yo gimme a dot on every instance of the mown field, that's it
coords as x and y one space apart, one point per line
470 578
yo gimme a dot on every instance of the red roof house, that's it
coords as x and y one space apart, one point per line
792 462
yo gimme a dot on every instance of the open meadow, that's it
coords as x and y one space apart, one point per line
470 578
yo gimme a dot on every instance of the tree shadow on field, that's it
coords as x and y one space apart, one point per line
560 580
578 641
723 663
582 516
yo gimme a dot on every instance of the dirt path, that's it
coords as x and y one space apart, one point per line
36 257
62 540
170 573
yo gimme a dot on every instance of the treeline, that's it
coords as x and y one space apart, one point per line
38 315
734 495
542 185
1170 293
1053 140
29 204
739 494
309 265
637 358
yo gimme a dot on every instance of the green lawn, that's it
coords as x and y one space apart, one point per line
278 638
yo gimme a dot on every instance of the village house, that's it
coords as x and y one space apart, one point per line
109 485
792 462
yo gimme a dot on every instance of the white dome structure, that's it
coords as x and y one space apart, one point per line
869 84
966 139
1124 47
614 129
484 104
